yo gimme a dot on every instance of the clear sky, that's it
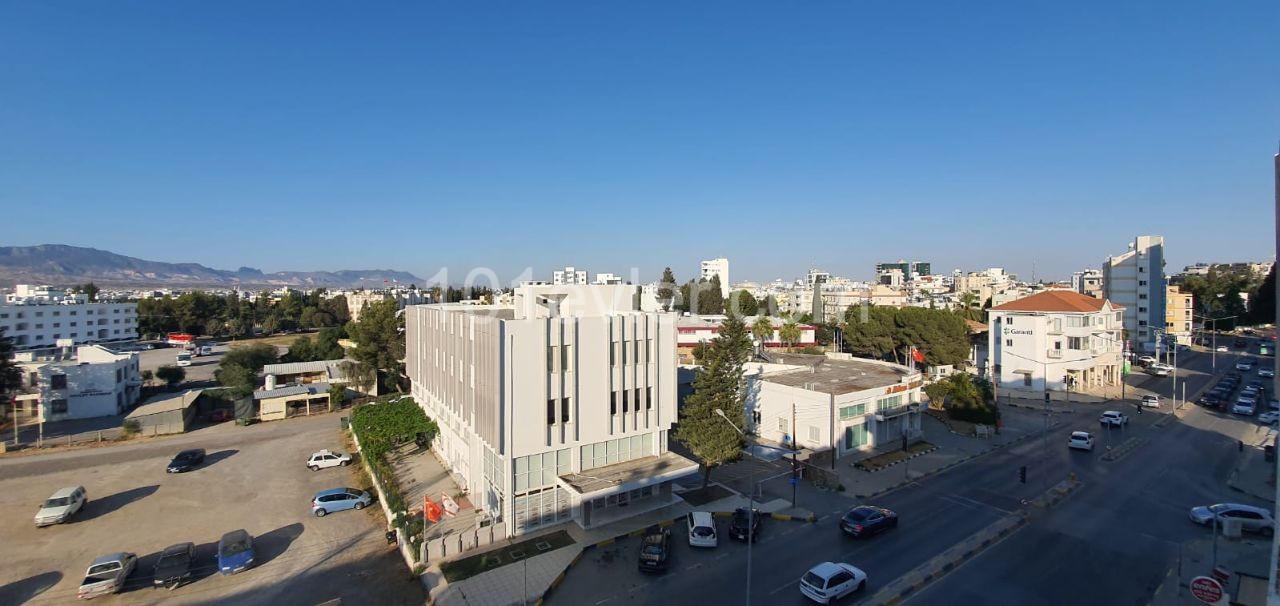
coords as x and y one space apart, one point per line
611 135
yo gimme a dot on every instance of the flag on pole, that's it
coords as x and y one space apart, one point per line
916 355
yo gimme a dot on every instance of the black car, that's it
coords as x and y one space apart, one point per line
655 550
865 520
174 566
743 520
1210 400
1241 344
186 460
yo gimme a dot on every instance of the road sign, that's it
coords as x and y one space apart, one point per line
794 481
1206 589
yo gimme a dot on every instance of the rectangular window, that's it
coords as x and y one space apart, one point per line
553 355
813 434
551 412
635 352
1026 380
566 358
1008 320
58 382
624 401
1142 310
564 410
58 406
1008 342
1142 282
648 398
613 402
636 401
782 425
1142 296
613 353
856 410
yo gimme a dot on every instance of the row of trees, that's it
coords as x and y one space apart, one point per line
889 333
706 297
201 313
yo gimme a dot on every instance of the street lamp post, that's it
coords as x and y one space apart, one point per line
751 506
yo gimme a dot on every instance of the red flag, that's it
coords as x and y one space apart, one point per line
433 511
916 355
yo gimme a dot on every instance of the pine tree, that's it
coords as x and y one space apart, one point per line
718 385
710 298
667 289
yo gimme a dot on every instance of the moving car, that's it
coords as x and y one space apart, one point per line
866 520
235 552
186 461
1080 440
1266 373
106 574
1114 418
1252 519
1158 371
62 505
1151 401
1222 348
1245 365
1146 360
655 550
702 529
339 499
325 458
174 565
745 522
830 581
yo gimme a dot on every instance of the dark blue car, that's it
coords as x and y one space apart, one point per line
235 552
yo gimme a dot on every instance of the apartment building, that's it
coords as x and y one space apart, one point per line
40 317
97 383
1179 312
716 267
910 270
357 300
569 276
554 408
1135 281
1088 282
1055 339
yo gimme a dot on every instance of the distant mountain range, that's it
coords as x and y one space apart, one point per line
62 265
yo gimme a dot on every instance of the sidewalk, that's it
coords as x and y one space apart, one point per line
1253 474
953 449
1246 558
536 575
422 475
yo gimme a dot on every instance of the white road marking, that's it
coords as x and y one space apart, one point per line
967 502
782 587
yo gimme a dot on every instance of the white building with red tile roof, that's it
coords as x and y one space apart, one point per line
1055 339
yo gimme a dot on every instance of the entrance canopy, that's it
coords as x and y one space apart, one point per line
628 475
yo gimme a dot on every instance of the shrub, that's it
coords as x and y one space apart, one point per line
131 427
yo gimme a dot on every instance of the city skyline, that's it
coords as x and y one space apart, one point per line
829 136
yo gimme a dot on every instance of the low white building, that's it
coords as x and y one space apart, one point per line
97 383
851 405
39 317
1053 339
555 408
695 329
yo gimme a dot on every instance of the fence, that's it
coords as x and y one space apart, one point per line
453 544
407 550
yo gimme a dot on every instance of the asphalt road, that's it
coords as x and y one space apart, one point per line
941 510
1116 538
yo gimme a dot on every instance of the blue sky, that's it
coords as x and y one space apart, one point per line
612 135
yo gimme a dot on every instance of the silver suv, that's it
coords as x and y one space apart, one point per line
1252 519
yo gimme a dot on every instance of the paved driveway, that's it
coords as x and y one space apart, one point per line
254 478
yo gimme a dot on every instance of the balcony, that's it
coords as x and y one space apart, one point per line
896 411
1053 353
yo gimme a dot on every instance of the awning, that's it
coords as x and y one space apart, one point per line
628 475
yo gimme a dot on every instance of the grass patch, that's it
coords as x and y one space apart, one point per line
458 570
889 458
276 340
701 496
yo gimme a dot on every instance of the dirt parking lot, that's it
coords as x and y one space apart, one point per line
254 478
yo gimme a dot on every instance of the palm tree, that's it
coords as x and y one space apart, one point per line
789 333
969 309
762 329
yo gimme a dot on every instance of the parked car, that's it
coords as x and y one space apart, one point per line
174 565
1080 440
107 574
339 499
702 529
830 581
325 458
1268 418
866 520
1146 360
655 550
1244 406
1266 373
186 461
743 524
62 505
1209 400
1114 418
1252 519
1151 401
235 552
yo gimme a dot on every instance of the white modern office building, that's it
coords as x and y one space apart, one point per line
554 408
1135 280
716 267
97 383
1053 339
40 317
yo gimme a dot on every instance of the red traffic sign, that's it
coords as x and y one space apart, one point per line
1206 589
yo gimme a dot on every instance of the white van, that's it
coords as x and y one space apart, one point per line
184 359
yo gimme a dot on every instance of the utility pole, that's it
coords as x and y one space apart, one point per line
795 445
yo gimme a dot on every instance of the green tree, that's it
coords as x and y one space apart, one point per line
874 337
337 395
969 306
148 377
745 304
667 289
710 298
361 376
239 378
770 306
89 289
1262 303
789 333
717 385
762 329
171 375
301 350
379 337
10 375
686 302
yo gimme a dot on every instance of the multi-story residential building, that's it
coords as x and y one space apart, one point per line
716 267
1135 281
844 405
608 279
569 275
38 317
910 269
403 296
891 277
554 408
1087 282
1180 307
1053 339
97 383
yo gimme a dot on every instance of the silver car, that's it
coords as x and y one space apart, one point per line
61 506
107 574
1252 519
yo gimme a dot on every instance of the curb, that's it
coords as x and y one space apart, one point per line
1011 444
884 467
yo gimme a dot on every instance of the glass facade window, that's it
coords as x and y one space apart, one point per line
616 451
856 410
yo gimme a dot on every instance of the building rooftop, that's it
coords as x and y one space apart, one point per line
332 367
291 390
651 470
836 377
166 402
1056 300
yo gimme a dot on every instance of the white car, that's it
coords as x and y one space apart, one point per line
1244 365
325 458
1146 360
62 505
1080 440
1114 418
702 529
1266 373
830 581
1243 406
1268 418
1253 519
1223 348
1151 401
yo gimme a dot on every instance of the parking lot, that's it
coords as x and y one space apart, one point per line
253 478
